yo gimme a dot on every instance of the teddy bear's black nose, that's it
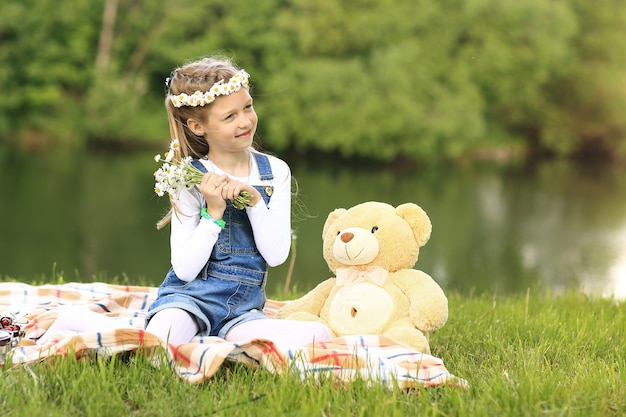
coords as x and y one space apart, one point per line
347 237
353 312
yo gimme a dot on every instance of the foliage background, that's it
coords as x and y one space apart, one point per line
380 79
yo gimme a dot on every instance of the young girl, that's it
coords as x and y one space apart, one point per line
219 253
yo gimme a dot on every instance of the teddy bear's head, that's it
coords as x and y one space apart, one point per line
375 234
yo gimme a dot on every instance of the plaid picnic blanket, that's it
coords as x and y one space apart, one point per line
369 357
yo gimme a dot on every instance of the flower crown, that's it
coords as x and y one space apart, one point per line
220 88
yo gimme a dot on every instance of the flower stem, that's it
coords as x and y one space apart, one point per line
242 200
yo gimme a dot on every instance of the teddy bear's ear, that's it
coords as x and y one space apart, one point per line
334 215
417 219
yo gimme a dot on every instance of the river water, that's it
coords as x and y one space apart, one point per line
554 226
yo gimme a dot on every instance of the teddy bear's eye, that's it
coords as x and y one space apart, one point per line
374 229
339 232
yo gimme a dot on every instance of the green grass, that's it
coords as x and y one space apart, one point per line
524 355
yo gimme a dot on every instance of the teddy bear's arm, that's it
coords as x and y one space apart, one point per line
428 303
312 302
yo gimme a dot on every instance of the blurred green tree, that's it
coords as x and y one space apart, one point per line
382 79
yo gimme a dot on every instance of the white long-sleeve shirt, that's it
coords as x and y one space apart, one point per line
193 237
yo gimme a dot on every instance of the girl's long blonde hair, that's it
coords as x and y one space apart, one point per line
195 76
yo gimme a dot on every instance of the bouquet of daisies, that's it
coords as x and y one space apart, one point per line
176 173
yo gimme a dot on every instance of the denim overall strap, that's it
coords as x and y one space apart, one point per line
196 163
265 170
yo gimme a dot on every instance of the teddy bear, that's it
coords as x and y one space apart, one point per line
371 248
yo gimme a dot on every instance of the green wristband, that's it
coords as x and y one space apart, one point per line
221 223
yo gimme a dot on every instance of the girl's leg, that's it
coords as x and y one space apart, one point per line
80 320
284 333
173 325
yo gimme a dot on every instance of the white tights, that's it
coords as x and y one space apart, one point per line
284 333
80 320
178 326
173 325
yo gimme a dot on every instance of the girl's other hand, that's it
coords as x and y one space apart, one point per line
231 191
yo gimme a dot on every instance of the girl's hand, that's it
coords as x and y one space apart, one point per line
212 188
231 191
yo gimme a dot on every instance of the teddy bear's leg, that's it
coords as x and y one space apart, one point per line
303 316
410 337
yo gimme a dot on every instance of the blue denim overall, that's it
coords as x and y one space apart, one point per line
230 288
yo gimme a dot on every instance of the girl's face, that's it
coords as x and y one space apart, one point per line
231 123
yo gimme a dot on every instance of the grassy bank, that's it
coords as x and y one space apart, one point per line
524 355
